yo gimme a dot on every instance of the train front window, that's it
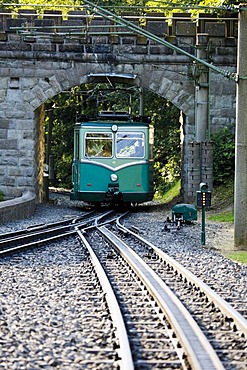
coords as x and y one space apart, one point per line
130 144
98 144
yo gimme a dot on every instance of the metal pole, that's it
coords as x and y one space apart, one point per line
203 234
131 26
240 200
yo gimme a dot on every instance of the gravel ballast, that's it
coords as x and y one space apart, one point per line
42 303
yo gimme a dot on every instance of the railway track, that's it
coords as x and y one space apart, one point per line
158 314
221 323
41 234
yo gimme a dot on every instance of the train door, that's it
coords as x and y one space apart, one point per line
75 168
151 164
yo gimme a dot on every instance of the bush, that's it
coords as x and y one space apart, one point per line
223 156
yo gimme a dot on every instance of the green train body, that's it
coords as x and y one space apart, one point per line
113 162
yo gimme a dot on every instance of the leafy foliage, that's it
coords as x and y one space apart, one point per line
167 151
136 6
224 155
64 109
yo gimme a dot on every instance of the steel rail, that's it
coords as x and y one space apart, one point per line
32 236
224 306
198 350
41 230
26 239
33 228
107 222
125 351
37 243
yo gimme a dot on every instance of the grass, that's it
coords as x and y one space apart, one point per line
238 257
172 193
223 195
227 216
222 206
222 202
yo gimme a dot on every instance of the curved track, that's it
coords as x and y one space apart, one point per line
162 315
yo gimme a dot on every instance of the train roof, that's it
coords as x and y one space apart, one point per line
113 118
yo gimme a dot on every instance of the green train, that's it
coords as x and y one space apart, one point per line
113 160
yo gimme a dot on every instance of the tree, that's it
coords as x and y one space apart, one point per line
83 100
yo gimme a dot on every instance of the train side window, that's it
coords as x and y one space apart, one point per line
98 144
130 145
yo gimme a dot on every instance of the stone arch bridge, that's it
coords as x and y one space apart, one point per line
43 55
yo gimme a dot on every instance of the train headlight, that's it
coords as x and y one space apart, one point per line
114 128
114 177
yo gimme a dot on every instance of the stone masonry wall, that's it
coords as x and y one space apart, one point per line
33 69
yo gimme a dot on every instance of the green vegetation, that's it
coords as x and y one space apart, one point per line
222 202
224 155
65 109
238 257
222 217
157 5
167 151
170 194
1 197
223 196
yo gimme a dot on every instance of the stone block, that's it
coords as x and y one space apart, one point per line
28 14
203 18
53 15
9 181
57 39
15 46
226 51
163 50
14 171
16 24
141 40
230 41
4 124
98 48
215 29
3 36
44 25
99 40
139 49
8 144
3 134
158 28
29 39
128 40
97 26
77 15
44 47
185 28
74 48
72 26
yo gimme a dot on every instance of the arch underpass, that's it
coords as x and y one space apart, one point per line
37 67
